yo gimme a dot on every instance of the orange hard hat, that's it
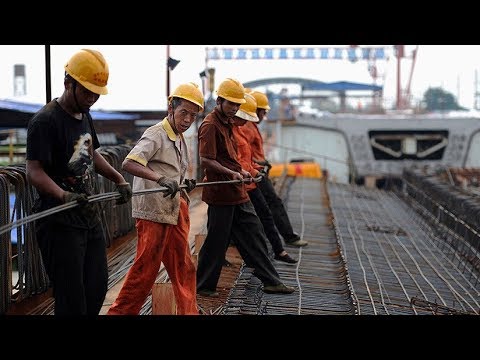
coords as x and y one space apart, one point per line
232 90
262 100
189 91
90 69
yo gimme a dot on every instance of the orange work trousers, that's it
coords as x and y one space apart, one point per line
156 243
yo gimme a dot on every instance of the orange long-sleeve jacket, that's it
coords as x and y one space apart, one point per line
244 154
252 132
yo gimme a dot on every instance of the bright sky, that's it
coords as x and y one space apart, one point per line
138 72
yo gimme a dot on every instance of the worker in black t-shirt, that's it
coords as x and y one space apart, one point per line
61 164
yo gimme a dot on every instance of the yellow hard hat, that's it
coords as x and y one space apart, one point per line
189 91
248 90
90 69
262 100
248 110
232 90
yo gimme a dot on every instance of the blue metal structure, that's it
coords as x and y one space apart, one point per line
287 53
309 84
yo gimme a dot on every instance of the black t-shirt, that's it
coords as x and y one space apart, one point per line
64 145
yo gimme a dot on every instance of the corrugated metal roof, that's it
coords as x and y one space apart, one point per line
96 114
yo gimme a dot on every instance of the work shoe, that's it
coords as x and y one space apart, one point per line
297 243
295 240
278 289
208 293
292 238
286 258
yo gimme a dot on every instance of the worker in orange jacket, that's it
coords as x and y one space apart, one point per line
280 216
247 113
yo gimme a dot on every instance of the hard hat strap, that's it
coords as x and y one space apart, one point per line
221 100
75 95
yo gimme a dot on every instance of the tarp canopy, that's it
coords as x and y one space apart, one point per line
96 114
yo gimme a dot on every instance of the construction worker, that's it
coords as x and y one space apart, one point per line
280 216
230 212
61 163
247 113
160 157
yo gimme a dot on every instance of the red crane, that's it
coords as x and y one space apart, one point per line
403 102
409 84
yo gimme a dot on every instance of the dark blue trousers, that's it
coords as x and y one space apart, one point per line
76 263
241 223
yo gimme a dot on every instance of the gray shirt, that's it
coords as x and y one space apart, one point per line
166 153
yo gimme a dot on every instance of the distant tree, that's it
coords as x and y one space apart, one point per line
437 99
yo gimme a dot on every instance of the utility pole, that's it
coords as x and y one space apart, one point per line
48 77
168 70
171 64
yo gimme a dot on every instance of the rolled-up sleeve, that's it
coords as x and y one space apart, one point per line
145 149
207 144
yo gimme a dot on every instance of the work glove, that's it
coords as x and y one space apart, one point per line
86 208
170 184
263 172
125 191
191 184
265 163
